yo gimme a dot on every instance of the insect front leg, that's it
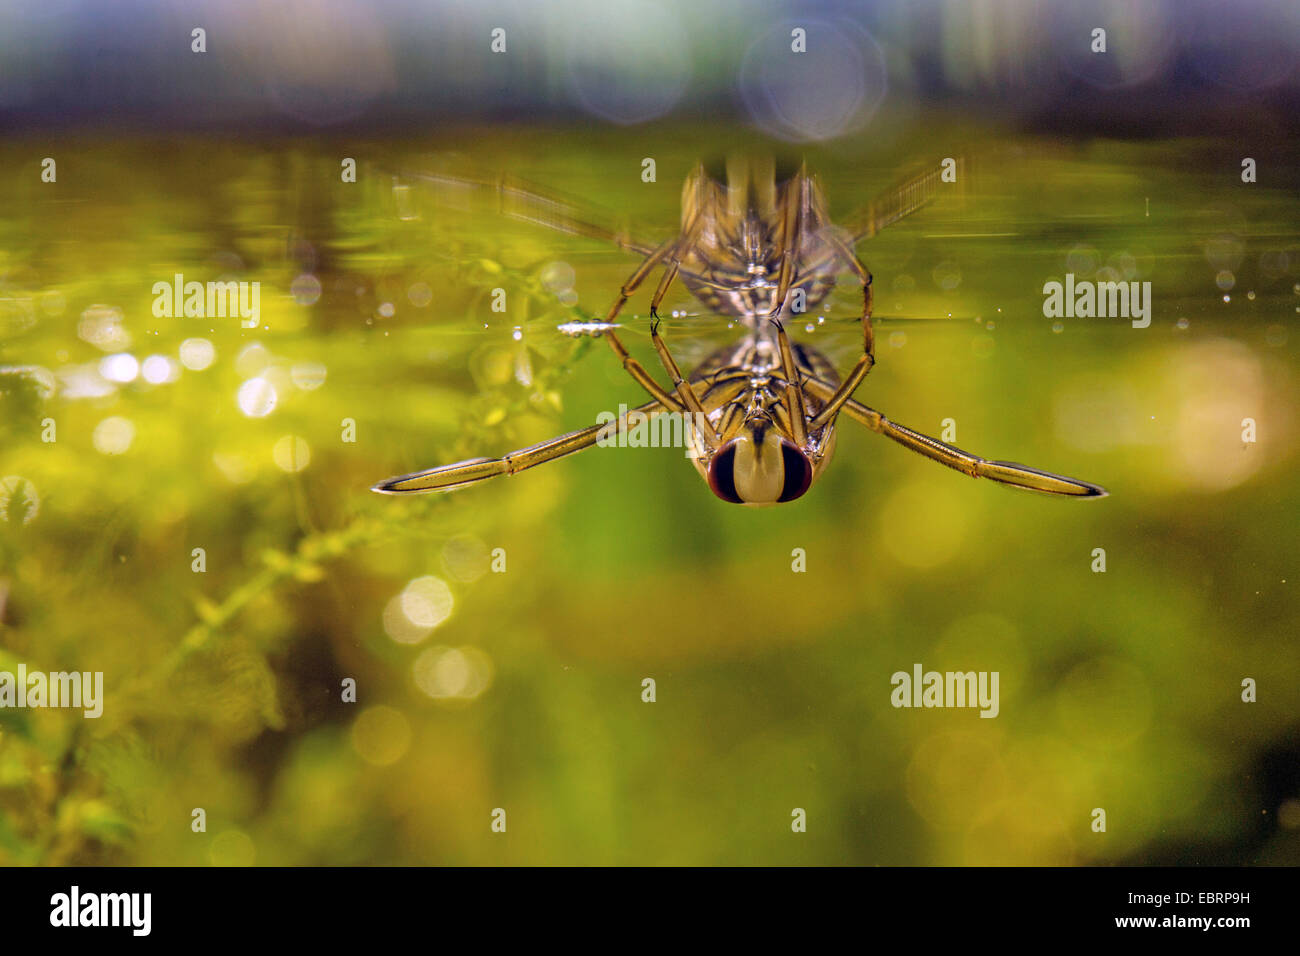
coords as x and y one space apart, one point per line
793 388
794 210
684 391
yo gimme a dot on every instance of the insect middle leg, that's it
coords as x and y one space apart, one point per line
868 359
690 236
631 365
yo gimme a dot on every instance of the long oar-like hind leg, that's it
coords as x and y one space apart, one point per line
1005 472
901 200
518 199
463 473
524 201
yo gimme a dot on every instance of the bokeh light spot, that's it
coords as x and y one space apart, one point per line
257 398
197 354
381 735
291 453
113 436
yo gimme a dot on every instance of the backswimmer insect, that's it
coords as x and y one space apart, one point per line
761 413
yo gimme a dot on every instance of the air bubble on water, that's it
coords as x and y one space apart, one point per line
1227 298
517 334
809 327
387 310
1182 322
1058 327
1251 295
576 329
1225 280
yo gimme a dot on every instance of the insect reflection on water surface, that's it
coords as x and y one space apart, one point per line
760 413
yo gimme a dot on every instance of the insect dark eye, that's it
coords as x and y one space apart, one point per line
722 475
798 472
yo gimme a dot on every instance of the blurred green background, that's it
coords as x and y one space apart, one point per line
1119 690
521 689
